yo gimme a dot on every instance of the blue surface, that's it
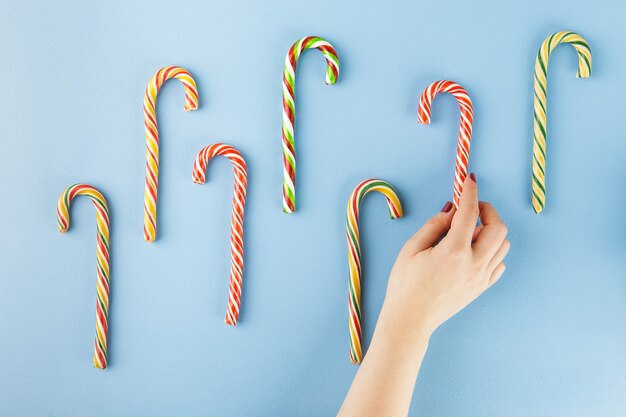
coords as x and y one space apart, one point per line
548 340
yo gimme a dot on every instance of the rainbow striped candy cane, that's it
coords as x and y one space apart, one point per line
289 108
465 130
541 104
102 253
236 225
152 139
354 254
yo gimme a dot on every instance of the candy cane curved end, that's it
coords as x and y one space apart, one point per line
236 228
152 138
354 254
540 105
289 108
465 128
103 259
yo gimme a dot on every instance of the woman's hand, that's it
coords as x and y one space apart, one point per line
436 276
447 264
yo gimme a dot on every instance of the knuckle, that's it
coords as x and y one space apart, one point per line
453 250
501 229
457 255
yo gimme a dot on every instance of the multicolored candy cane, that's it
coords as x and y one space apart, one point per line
152 139
354 254
102 254
465 132
289 108
540 105
236 225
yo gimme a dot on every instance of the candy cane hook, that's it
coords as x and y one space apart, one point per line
540 105
102 253
152 139
236 225
465 131
354 254
289 108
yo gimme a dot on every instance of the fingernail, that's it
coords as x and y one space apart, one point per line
473 177
446 207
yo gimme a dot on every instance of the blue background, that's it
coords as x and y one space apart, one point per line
548 340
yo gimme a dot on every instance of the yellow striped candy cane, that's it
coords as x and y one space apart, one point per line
540 105
102 255
354 255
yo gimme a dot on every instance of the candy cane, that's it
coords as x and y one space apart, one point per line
354 255
102 253
540 105
465 131
289 108
236 224
152 139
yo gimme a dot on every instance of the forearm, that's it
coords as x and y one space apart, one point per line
385 380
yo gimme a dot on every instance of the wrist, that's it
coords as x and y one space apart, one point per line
403 327
398 341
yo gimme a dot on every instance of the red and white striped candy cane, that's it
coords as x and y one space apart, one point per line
236 226
465 132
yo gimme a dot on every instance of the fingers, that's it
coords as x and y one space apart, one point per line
431 232
499 256
464 221
492 235
496 274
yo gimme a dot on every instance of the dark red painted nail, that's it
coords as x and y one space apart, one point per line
473 177
446 207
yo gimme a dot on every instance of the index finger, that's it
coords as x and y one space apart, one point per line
464 221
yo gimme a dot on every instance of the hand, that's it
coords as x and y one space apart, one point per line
446 265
